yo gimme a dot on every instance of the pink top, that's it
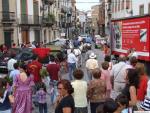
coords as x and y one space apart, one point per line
105 75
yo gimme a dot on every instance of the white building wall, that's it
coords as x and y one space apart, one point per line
30 13
31 35
18 9
30 7
135 4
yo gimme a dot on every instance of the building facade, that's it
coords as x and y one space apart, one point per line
8 22
95 18
24 21
128 8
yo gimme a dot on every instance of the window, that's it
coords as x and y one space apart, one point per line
128 4
115 5
113 8
141 10
122 5
118 5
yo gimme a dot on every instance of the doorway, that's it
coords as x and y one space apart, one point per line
8 38
25 37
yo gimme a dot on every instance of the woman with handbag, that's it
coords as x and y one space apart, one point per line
5 105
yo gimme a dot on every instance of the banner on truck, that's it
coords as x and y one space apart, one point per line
132 33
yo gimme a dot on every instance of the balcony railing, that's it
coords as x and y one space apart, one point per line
49 20
7 17
30 20
48 2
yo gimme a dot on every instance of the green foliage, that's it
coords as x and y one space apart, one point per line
51 18
43 73
9 80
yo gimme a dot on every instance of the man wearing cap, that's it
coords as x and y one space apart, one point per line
91 64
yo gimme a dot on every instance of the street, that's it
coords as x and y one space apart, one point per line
100 57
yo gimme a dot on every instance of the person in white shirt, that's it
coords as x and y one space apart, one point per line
80 92
91 64
10 63
77 53
118 74
71 60
14 73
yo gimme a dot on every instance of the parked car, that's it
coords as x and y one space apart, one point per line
21 55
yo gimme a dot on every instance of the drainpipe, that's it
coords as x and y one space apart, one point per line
16 17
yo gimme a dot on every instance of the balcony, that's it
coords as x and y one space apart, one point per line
30 20
69 12
7 17
63 10
49 20
48 2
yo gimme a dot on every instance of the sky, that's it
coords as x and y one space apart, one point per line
85 6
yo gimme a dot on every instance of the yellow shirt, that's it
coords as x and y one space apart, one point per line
92 64
80 92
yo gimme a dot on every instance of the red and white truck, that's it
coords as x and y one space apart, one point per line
133 32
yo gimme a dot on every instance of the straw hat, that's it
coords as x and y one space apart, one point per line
92 55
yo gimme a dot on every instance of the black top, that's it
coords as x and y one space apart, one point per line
6 104
67 101
126 91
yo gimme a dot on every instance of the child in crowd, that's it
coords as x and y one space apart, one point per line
105 75
41 96
123 103
5 105
111 106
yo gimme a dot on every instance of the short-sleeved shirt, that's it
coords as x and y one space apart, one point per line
96 90
67 101
53 70
34 68
14 73
141 91
41 95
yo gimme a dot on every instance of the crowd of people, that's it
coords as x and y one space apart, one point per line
111 88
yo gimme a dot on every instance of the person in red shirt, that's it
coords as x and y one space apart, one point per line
141 92
53 69
34 69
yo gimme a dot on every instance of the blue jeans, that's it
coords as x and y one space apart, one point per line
6 111
71 68
89 74
54 92
43 108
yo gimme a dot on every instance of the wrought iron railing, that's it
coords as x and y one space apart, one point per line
7 16
30 19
